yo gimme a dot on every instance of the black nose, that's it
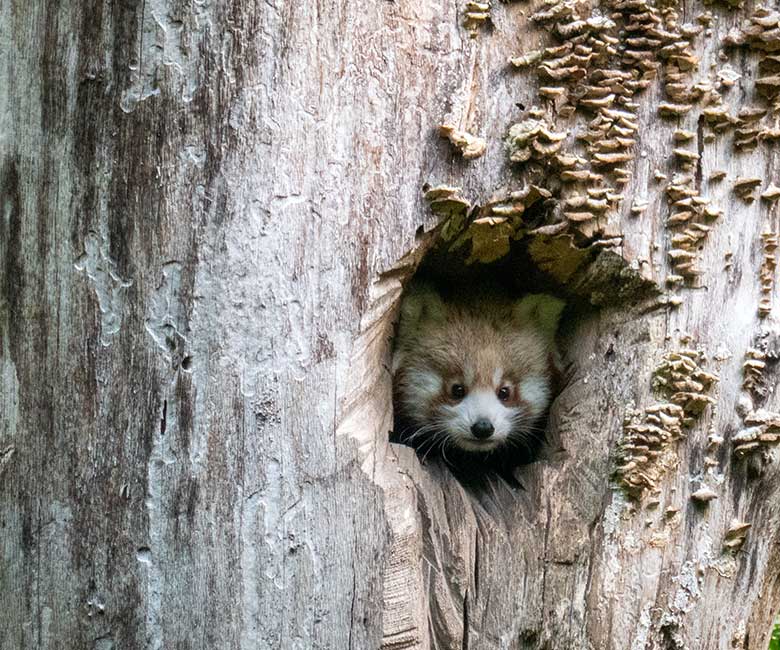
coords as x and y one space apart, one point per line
482 429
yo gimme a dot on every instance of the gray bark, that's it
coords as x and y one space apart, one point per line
208 212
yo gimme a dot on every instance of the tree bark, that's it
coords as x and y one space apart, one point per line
209 211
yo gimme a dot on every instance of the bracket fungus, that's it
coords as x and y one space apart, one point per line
760 435
704 495
489 229
475 15
771 193
470 146
753 371
533 139
646 450
760 33
744 188
735 535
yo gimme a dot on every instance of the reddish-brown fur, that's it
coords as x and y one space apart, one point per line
479 338
482 342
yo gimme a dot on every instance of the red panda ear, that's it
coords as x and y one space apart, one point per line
539 310
421 303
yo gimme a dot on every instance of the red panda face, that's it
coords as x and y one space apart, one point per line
473 376
470 413
485 416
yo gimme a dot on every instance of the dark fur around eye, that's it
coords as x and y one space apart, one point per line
458 391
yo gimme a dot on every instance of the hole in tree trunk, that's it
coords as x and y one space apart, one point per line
464 339
464 253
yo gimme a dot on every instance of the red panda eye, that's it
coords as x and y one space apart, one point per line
458 391
504 393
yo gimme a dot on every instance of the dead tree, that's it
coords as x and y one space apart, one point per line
209 212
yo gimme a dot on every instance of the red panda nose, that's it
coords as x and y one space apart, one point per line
482 429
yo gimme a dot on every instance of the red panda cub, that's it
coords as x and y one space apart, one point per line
473 376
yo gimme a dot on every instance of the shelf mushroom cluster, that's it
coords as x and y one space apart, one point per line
489 228
647 449
690 218
761 32
585 73
475 15
753 372
762 432
767 272
686 383
598 70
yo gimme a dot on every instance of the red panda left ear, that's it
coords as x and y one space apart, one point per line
541 311
421 303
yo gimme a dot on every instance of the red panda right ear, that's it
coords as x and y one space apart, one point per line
421 303
540 310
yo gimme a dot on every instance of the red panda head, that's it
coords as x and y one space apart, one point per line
474 374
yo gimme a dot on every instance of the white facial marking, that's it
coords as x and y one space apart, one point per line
477 405
535 391
424 385
498 375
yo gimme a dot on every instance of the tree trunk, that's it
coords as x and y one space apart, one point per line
208 213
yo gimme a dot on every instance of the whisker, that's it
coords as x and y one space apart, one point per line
520 442
425 429
447 441
431 447
528 428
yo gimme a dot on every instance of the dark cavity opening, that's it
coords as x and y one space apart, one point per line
450 362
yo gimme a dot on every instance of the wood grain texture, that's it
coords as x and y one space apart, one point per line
207 215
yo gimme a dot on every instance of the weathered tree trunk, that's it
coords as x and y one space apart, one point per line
208 211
